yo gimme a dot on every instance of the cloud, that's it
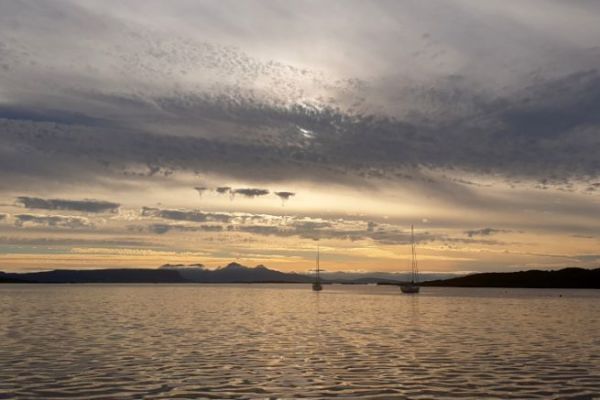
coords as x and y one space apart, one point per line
251 192
413 106
371 226
485 232
67 241
223 189
489 242
54 221
266 230
591 259
513 137
186 215
302 227
583 236
18 113
238 111
284 196
246 192
588 257
200 190
164 228
354 231
90 206
310 228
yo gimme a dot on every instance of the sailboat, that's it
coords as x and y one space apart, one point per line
413 286
316 286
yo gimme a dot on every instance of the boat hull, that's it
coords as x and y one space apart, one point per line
410 289
317 286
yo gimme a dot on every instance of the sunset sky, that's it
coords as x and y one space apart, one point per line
138 133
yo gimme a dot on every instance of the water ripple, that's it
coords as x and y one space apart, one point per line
269 341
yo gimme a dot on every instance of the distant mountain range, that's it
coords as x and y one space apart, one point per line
236 273
197 273
232 273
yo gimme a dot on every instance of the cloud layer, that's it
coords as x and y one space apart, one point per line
193 106
59 221
90 206
144 122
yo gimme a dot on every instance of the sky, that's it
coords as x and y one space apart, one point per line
139 133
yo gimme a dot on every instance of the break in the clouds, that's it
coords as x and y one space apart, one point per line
461 113
91 206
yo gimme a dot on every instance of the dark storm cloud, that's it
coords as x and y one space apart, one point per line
54 221
90 206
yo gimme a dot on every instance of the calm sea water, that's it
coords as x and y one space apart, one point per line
285 341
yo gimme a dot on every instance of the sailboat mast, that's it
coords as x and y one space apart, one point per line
318 268
414 266
413 286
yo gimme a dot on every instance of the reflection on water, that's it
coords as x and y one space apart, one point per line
247 341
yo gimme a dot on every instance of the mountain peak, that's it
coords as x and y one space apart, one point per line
234 265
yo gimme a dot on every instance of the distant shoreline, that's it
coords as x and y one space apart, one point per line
424 284
567 278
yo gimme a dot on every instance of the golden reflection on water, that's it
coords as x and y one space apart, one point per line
257 341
